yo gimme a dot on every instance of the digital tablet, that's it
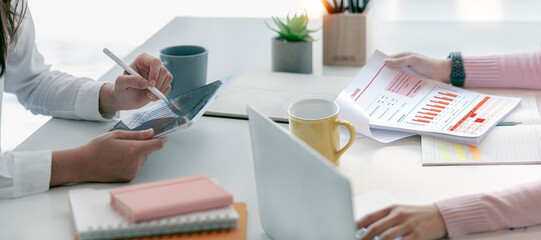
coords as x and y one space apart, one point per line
181 113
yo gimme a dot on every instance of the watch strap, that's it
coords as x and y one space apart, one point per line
457 69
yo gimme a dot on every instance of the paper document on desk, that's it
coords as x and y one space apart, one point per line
519 144
398 99
352 112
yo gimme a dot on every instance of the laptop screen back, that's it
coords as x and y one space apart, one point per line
301 195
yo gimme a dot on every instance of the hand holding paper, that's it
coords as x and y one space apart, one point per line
398 99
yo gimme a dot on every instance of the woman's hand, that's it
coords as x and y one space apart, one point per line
112 157
408 222
437 69
129 92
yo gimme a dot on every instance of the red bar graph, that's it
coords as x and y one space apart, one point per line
440 102
426 117
448 94
432 110
421 120
428 113
444 98
435 105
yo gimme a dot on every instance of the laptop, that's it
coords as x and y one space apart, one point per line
301 195
181 113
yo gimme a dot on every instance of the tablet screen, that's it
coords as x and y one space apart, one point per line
165 118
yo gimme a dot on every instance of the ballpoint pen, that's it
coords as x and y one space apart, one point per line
130 70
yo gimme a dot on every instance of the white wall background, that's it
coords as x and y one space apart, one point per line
71 34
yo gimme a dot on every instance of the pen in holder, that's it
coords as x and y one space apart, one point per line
344 39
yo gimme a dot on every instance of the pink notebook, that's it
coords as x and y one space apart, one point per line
147 201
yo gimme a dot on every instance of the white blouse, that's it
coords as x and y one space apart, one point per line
43 92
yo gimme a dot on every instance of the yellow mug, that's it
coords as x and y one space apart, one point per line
315 121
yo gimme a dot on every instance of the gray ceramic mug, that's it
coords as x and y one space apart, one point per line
188 65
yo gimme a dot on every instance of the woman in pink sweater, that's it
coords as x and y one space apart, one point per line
509 208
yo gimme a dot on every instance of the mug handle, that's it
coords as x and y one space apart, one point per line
352 136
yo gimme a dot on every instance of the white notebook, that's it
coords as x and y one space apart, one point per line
94 218
273 92
520 144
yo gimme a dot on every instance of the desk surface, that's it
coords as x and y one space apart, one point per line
220 148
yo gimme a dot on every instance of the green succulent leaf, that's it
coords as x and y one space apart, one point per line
271 28
304 32
308 38
284 36
297 25
296 37
280 24
295 28
287 30
311 31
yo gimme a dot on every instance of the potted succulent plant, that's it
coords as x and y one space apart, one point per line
292 48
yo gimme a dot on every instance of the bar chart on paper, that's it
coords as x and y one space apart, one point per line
448 110
438 108
510 144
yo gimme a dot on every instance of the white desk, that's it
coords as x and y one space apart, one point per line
220 148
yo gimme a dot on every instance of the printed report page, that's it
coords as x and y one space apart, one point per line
400 99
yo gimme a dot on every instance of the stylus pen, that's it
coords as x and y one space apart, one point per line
130 70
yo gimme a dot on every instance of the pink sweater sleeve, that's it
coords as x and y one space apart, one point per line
514 207
519 70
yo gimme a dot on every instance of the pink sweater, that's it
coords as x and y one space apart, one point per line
522 70
515 207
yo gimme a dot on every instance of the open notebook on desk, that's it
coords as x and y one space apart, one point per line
273 92
519 144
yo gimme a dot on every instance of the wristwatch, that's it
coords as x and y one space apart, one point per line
457 69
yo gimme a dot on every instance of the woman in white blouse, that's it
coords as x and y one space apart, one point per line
112 157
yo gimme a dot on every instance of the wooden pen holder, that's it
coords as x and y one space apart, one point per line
344 39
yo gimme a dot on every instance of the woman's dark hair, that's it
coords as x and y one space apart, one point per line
10 20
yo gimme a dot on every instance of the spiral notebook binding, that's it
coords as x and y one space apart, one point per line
160 227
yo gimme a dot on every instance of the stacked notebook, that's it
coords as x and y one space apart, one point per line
95 216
